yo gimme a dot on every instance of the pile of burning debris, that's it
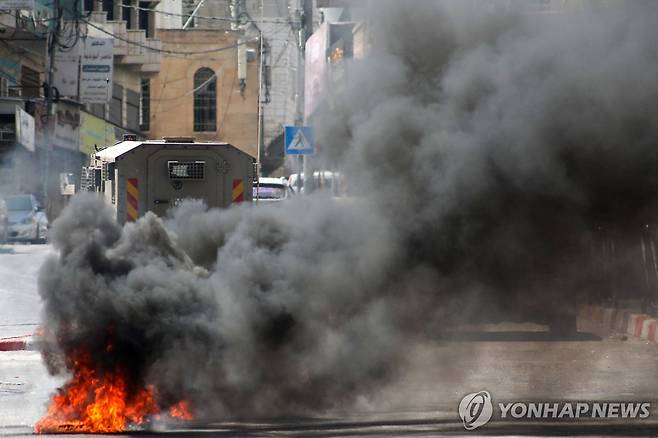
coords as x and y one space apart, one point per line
103 401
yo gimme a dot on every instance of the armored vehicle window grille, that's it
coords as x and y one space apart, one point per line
188 170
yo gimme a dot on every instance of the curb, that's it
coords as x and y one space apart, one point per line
640 325
17 343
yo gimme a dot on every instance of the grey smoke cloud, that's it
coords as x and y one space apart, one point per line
508 136
256 317
482 146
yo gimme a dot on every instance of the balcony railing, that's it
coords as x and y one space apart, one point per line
139 50
131 46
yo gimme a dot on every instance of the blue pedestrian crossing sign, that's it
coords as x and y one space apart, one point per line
299 140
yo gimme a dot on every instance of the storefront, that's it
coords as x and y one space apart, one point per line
95 133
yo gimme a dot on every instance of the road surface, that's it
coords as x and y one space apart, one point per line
24 383
19 265
514 362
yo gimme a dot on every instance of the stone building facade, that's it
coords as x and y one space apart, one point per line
200 95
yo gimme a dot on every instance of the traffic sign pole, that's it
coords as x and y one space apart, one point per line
300 170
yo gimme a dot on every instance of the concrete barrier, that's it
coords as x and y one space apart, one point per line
17 343
640 325
635 321
648 330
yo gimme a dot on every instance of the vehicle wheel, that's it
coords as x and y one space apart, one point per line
42 238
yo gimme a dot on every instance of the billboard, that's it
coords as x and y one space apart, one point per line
10 5
315 69
66 66
96 70
95 132
66 131
25 129
62 130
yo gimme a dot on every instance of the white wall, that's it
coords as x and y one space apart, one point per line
163 21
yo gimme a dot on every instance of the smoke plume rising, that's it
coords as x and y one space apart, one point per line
483 146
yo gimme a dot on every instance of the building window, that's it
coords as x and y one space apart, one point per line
146 18
205 100
126 14
30 84
108 6
145 106
132 109
116 105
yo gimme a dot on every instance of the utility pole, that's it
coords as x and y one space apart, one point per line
52 48
259 140
301 22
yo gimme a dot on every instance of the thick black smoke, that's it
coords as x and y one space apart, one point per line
499 141
483 147
254 311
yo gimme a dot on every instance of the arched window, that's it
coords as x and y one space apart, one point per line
205 100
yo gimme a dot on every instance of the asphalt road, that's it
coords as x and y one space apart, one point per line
514 362
19 265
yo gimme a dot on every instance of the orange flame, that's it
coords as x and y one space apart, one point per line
180 410
93 403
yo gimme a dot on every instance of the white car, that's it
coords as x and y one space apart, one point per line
271 190
322 180
296 183
26 222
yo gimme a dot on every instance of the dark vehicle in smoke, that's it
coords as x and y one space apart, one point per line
26 220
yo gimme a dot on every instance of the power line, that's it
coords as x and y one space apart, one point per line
187 93
228 102
9 76
205 58
223 19
15 30
35 57
167 81
168 51
75 34
72 28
